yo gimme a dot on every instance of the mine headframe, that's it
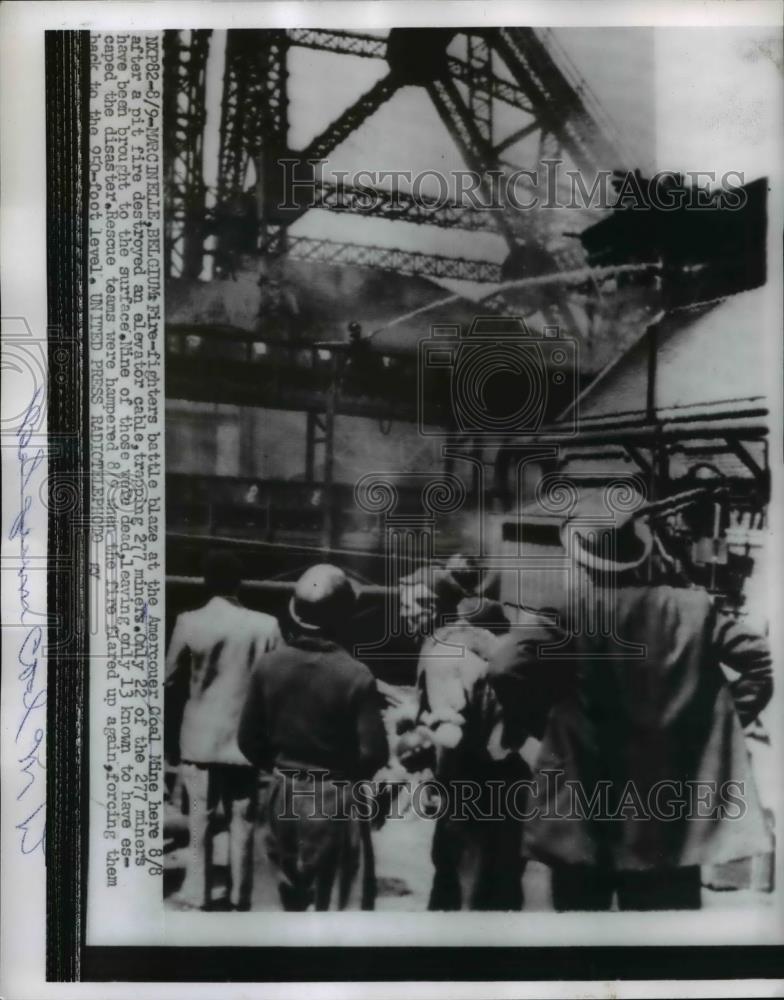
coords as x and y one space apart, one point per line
459 69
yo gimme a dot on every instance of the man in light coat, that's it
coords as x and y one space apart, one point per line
218 646
643 775
461 735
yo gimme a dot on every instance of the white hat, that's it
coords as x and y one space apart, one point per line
607 538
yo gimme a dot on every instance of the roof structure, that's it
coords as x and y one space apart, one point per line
708 357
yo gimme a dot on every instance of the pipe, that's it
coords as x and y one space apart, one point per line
653 433
274 586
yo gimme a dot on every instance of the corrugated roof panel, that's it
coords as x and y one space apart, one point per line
708 356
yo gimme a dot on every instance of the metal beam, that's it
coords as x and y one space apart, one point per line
476 149
348 43
638 458
184 70
390 259
349 120
555 100
480 95
472 131
501 90
254 125
242 384
473 137
701 427
368 46
399 206
482 157
255 102
518 135
737 448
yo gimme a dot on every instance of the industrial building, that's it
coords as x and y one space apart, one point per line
324 332
275 410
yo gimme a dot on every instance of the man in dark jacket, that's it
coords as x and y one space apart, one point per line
643 775
312 717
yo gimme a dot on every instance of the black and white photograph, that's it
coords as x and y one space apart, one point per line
392 489
467 482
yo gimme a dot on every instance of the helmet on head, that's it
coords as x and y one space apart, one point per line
322 598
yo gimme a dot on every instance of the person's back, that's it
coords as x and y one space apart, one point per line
476 848
320 710
213 651
651 712
457 703
222 642
642 748
312 717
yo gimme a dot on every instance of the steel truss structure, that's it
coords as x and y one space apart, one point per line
400 206
460 73
370 46
254 125
391 259
185 67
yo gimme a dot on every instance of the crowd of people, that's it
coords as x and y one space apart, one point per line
615 754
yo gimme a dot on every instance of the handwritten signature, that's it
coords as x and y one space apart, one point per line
30 734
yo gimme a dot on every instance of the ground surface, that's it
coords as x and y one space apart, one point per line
403 868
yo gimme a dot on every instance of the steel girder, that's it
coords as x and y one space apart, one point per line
368 46
254 113
185 64
255 116
392 259
558 116
501 90
471 125
480 76
399 206
344 42
474 144
349 120
254 122
555 100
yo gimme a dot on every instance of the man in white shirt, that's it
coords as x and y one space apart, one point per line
218 645
463 738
